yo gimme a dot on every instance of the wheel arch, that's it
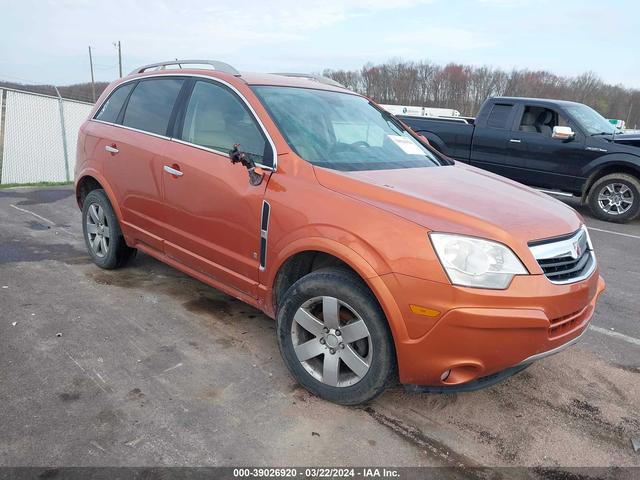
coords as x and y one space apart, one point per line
435 141
607 166
92 180
304 257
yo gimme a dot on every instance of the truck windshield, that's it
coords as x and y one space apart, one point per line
591 121
342 131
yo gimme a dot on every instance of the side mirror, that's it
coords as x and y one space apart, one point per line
563 133
256 174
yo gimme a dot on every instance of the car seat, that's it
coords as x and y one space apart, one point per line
544 123
528 122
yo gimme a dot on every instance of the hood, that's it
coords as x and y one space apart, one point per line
631 139
458 199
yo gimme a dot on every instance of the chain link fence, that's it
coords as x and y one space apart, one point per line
38 136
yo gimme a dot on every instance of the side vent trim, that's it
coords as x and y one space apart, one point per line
264 232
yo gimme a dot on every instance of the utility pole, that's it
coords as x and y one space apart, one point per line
93 83
119 59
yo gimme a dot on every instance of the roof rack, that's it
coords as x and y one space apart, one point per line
311 76
218 66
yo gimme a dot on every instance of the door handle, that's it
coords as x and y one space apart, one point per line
112 149
515 140
172 171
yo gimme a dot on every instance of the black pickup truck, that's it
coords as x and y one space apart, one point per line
563 148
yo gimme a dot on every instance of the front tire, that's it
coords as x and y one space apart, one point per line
615 198
102 234
334 337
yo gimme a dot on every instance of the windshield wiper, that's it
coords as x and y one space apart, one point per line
602 133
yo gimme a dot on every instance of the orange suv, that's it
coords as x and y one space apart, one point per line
376 255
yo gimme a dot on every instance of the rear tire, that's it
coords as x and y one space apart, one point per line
334 337
102 234
615 198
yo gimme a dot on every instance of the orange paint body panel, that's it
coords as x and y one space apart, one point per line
207 223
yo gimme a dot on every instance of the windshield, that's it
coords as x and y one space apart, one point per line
342 131
590 120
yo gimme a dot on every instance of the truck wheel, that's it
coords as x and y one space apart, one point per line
102 233
615 198
334 337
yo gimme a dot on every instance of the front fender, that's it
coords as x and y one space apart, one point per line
351 249
366 268
611 161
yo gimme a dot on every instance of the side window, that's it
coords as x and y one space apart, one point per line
499 115
564 122
540 120
216 118
151 103
111 108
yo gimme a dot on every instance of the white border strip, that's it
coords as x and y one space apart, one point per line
620 336
614 233
34 214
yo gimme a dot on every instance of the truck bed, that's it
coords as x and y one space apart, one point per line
455 133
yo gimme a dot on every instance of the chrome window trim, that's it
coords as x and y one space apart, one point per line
164 137
217 152
273 168
561 248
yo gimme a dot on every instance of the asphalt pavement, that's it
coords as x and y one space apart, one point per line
146 366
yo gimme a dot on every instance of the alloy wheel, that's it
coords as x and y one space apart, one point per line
615 198
332 341
98 231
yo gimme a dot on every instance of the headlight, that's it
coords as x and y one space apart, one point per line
473 262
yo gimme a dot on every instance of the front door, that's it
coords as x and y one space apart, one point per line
212 212
545 161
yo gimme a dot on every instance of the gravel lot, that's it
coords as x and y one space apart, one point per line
145 366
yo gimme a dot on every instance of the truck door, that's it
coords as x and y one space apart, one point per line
544 161
489 149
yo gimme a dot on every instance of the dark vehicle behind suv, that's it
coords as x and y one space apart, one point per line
564 148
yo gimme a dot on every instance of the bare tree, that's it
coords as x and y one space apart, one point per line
464 87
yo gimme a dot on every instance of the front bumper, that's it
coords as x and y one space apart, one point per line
489 380
479 333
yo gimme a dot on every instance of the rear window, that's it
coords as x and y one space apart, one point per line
499 115
151 103
111 108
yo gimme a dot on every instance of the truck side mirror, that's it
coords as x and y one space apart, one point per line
563 133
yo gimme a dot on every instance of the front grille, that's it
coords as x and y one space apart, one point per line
565 259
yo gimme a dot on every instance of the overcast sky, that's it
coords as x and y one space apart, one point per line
46 41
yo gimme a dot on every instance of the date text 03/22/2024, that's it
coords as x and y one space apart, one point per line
324 472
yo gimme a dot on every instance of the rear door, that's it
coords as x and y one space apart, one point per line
211 210
489 149
132 167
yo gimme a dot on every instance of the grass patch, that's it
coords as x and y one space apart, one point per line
37 184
